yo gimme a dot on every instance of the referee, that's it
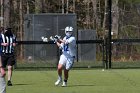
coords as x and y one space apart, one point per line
7 56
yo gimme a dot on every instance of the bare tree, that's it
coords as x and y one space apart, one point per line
28 8
115 17
105 16
98 13
6 13
63 4
21 25
73 6
2 12
38 6
94 2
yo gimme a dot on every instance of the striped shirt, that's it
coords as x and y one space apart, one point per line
10 40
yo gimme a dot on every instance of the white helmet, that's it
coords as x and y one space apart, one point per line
68 29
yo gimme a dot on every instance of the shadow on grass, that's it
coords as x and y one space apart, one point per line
80 85
21 84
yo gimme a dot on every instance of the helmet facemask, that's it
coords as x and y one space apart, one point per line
68 31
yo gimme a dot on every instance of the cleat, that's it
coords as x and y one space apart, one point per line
58 82
9 83
64 84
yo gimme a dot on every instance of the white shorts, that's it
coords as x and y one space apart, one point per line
2 84
67 62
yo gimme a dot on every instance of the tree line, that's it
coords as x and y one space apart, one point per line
91 14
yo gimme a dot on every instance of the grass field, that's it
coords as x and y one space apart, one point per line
80 81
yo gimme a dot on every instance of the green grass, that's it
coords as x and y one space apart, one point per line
80 81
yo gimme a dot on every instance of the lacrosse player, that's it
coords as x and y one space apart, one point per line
68 47
7 56
2 72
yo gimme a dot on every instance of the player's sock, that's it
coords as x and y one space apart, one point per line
64 83
59 80
65 80
60 77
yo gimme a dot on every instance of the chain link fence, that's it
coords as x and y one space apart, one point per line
91 50
47 55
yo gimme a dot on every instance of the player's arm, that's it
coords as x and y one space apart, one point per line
14 40
58 44
4 44
2 71
62 41
68 41
0 64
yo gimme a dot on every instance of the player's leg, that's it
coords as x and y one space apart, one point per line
2 84
59 69
9 75
10 63
4 63
2 68
66 74
69 65
2 79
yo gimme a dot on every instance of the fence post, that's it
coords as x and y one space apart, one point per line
109 32
106 52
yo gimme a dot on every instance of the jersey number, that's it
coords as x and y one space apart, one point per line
66 47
